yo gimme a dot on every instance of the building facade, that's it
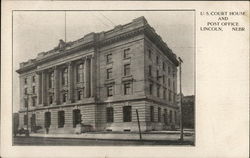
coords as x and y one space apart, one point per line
101 80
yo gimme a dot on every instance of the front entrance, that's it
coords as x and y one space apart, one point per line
33 122
76 117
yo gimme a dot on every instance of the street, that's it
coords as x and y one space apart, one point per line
43 141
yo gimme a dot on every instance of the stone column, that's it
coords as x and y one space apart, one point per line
56 85
70 82
92 78
39 87
86 77
44 88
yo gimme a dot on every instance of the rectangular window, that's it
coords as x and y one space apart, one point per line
47 120
163 66
158 91
126 69
79 95
33 89
159 114
25 90
150 70
126 53
25 120
109 58
157 60
165 116
157 75
127 88
64 97
34 101
149 54
152 113
51 99
127 116
109 73
110 91
169 96
150 88
61 119
175 116
33 78
79 71
170 116
76 117
110 114
64 76
169 82
26 103
169 70
164 94
25 80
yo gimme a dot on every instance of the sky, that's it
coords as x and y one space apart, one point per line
40 31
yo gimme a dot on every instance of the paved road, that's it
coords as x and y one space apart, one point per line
42 141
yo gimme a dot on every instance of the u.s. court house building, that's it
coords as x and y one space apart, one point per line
100 80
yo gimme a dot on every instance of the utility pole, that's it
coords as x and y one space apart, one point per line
138 121
181 116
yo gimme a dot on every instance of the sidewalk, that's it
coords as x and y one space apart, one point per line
153 135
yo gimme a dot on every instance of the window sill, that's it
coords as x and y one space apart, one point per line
127 78
109 81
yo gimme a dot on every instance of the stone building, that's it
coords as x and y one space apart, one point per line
100 80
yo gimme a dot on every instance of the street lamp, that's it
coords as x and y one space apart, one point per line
181 117
27 113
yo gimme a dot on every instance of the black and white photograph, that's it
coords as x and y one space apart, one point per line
103 77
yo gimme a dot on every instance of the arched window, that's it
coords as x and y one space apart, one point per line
79 70
65 76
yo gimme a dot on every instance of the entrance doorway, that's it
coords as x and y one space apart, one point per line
76 117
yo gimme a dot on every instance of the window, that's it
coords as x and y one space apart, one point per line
64 97
175 116
34 101
33 89
76 117
169 96
169 82
150 70
33 78
170 116
65 76
51 99
158 91
159 114
51 80
25 120
157 75
173 73
109 73
26 103
47 119
163 66
61 119
25 90
174 98
109 58
126 53
152 113
110 114
165 116
79 94
150 88
25 80
110 91
169 70
173 86
163 79
149 54
157 60
126 69
79 70
127 88
164 94
127 114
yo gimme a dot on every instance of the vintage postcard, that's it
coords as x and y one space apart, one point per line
125 79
